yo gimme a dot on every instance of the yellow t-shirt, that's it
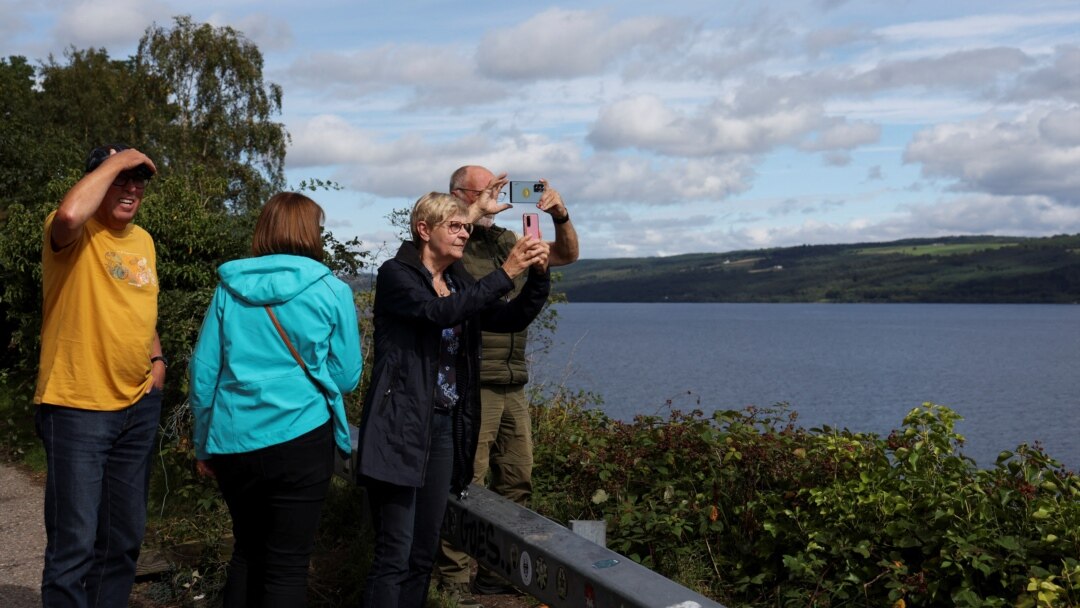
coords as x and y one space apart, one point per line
99 318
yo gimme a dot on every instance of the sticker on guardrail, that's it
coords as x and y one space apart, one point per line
541 573
525 568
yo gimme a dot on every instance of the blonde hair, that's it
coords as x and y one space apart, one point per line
289 223
432 208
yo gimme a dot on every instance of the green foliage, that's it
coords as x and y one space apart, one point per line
220 112
788 516
194 99
950 269
399 220
92 100
31 150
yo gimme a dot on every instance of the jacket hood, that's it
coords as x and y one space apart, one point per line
270 279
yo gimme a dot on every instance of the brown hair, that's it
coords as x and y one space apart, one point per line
289 223
432 208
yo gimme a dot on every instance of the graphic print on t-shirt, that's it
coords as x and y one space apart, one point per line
129 267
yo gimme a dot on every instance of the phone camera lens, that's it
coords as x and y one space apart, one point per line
538 187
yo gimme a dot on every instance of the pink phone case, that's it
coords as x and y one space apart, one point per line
530 225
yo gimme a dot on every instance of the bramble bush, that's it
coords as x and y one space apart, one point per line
748 508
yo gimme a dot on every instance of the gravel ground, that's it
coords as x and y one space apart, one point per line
22 538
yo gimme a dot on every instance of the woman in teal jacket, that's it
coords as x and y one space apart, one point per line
266 427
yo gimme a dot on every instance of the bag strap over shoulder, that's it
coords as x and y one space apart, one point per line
295 354
285 338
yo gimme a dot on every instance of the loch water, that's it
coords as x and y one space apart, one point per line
1012 371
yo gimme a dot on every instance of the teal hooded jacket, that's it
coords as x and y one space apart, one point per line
246 390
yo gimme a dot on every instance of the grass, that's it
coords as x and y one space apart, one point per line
937 249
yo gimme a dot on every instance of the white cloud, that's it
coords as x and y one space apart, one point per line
1059 80
1007 157
970 215
436 76
267 32
828 38
560 43
105 23
378 68
977 71
620 179
1061 127
11 19
966 69
845 136
648 123
988 214
714 53
977 25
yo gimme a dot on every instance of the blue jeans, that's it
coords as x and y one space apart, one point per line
95 500
407 522
275 496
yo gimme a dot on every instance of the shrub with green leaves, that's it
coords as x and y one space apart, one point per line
751 509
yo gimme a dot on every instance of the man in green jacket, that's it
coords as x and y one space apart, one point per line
505 446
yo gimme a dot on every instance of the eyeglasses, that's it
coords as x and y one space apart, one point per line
124 179
455 227
501 196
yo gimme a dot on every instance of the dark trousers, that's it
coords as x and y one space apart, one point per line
95 500
407 522
275 496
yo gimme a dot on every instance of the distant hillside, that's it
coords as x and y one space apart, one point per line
950 269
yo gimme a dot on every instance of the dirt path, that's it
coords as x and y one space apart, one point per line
22 544
22 538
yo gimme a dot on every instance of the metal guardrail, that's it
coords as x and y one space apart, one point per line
545 559
553 564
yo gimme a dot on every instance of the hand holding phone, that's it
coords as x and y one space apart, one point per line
530 225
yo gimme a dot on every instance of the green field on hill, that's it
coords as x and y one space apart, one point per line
935 249
950 269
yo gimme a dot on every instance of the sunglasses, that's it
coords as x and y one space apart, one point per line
124 179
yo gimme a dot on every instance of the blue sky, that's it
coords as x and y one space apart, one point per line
669 127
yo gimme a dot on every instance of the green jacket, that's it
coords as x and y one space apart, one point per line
503 355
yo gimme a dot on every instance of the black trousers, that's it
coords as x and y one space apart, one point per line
275 496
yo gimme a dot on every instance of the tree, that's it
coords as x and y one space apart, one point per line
95 100
220 109
32 150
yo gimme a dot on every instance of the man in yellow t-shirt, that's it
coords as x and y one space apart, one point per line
99 381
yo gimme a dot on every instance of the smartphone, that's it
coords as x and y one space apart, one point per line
526 192
530 225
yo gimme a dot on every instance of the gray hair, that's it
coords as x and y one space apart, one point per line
432 208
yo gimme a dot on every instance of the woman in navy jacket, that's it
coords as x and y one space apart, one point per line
421 416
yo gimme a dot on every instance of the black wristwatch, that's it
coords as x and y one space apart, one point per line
561 220
160 358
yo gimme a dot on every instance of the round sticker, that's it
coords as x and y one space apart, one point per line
525 568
